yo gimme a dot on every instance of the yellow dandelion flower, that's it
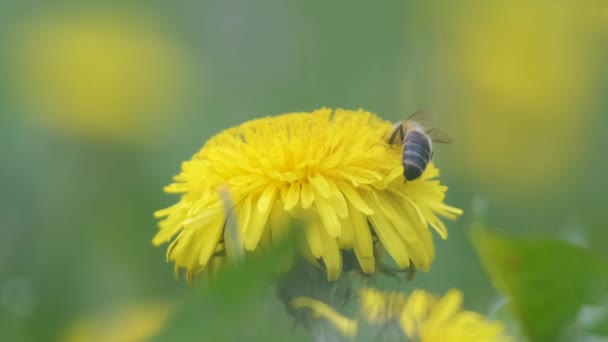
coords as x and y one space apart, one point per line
526 73
380 308
428 318
331 170
420 316
98 72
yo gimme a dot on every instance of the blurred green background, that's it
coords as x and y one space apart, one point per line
100 103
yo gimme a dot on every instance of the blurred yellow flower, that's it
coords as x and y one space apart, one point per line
524 77
381 307
346 326
419 317
332 170
98 73
432 319
131 323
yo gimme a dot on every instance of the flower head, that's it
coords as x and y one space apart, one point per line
432 319
512 82
131 322
420 316
98 72
332 170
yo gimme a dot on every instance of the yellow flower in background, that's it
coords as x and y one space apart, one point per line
381 307
420 316
524 75
99 73
129 323
432 319
331 170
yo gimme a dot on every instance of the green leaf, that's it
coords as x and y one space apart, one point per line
546 280
600 328
236 306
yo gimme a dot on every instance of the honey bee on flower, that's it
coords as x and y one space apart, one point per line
416 135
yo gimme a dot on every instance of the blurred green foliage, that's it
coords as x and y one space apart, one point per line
547 281
237 305
76 207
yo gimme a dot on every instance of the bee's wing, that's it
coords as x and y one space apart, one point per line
427 119
439 136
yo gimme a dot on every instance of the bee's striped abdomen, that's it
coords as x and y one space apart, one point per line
416 154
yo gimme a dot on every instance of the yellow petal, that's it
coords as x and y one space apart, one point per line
346 239
390 238
313 238
180 246
363 247
203 218
244 215
257 223
328 216
169 227
347 327
165 212
292 196
337 200
304 249
266 198
279 223
320 184
332 257
447 306
209 240
397 213
307 195
354 197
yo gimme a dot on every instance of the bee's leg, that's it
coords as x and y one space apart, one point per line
398 131
391 138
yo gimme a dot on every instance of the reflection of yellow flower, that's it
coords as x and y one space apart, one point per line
419 316
525 70
98 73
130 323
335 170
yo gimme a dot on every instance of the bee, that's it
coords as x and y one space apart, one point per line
417 135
